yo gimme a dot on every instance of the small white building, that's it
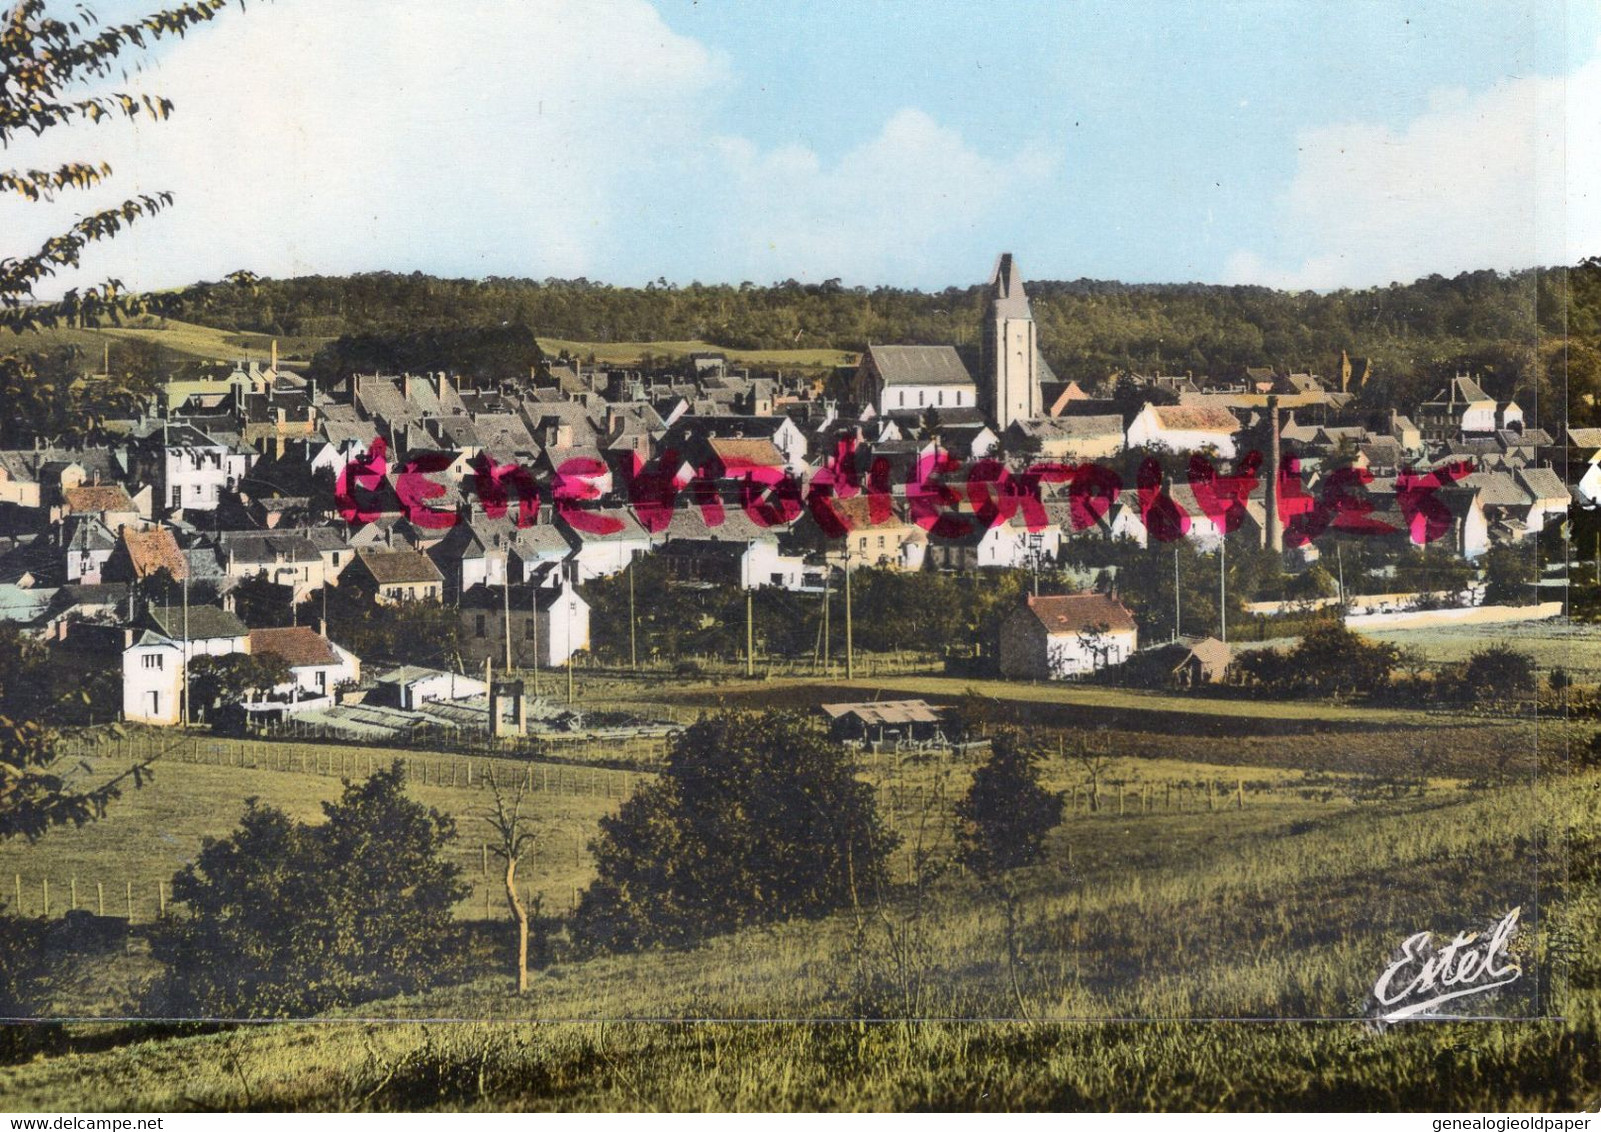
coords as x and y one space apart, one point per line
1052 638
317 666
410 686
1185 428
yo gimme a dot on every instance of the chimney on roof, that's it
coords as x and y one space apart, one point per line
275 354
405 387
322 628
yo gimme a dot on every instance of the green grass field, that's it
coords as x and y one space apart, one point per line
1573 646
190 340
1281 910
1201 940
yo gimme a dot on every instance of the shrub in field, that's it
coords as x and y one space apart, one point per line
282 918
1003 820
1498 672
756 817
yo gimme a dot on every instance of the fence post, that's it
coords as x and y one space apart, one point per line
130 902
74 882
1211 795
46 912
1239 798
161 899
18 878
100 899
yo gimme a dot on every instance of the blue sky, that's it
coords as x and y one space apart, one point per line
1289 143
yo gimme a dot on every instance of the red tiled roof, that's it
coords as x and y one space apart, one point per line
97 497
153 550
1078 613
299 647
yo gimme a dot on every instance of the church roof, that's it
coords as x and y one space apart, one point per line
919 365
1006 289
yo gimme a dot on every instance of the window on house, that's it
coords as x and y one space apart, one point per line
939 398
478 625
530 629
322 681
920 396
177 495
881 542
152 660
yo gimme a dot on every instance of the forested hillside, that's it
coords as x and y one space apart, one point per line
1515 330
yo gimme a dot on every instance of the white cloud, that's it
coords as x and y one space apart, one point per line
884 209
481 137
1507 178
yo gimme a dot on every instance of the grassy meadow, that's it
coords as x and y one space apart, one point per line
1226 877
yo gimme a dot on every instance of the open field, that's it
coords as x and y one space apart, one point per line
1574 646
1260 912
204 343
629 353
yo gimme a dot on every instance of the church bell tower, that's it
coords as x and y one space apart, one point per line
1010 348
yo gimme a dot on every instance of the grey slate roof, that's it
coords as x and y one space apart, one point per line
920 365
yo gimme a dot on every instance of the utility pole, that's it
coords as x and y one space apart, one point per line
633 644
1339 562
505 609
1223 588
750 636
828 588
850 650
535 603
1176 610
186 643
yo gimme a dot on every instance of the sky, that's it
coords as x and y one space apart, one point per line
1291 143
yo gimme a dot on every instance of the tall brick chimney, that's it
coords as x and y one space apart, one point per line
1275 530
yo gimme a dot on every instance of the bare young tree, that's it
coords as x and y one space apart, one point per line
1094 764
515 838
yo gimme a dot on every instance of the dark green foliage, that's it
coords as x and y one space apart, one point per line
1498 672
757 817
1003 820
216 681
283 919
482 354
891 609
412 632
25 982
1508 572
38 788
1328 660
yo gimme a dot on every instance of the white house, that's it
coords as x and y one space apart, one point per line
154 656
1052 638
1185 428
544 625
195 470
607 538
317 666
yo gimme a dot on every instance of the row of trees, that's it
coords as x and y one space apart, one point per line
1505 325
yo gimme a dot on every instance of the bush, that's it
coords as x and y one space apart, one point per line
284 919
756 817
1003 819
1498 672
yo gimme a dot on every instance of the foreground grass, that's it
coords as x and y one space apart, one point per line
1254 913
